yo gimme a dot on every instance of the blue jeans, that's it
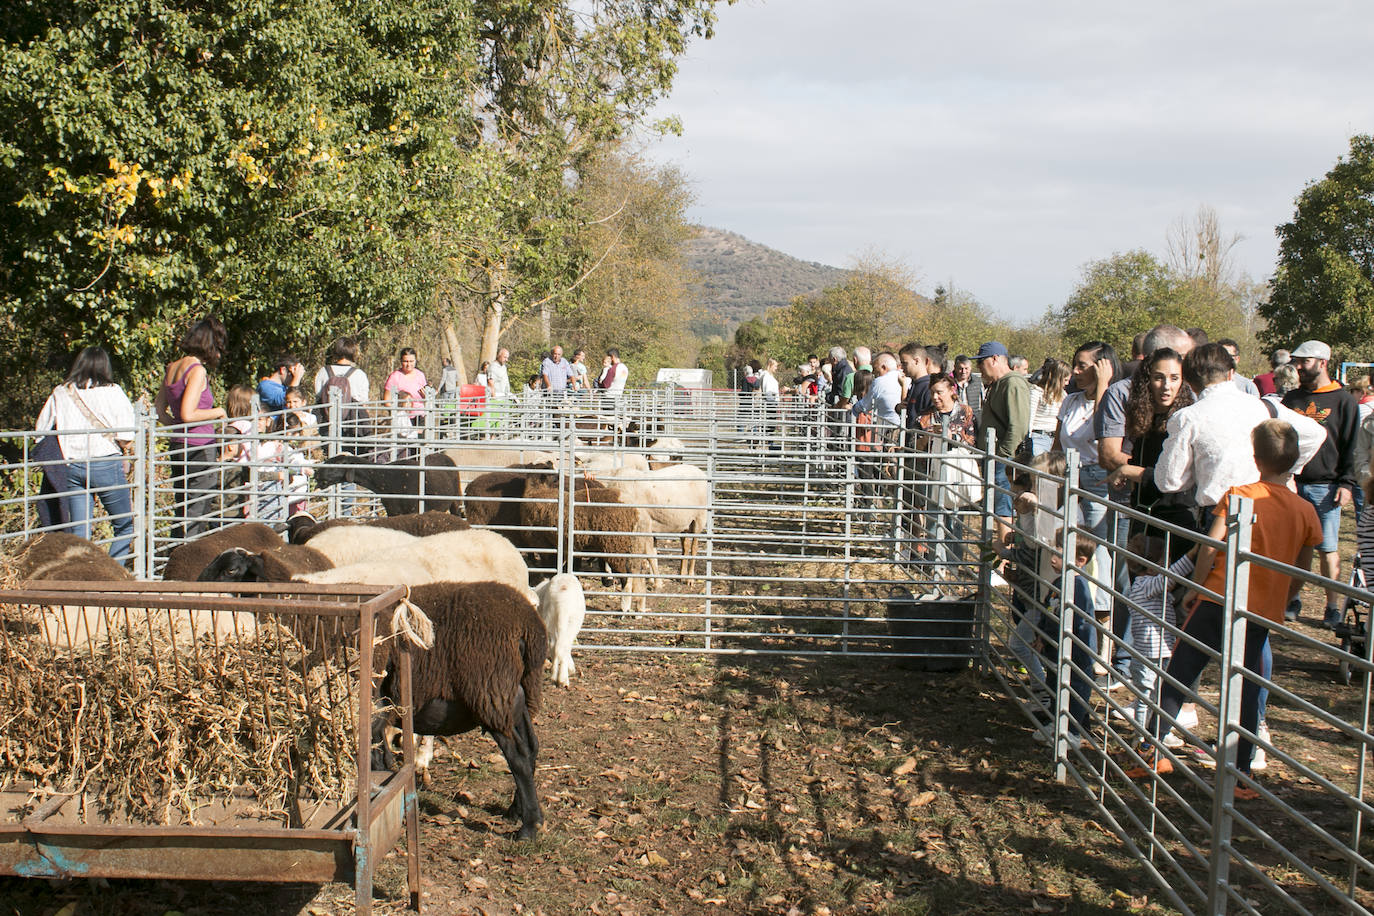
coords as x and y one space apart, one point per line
103 477
1041 443
1322 496
1001 497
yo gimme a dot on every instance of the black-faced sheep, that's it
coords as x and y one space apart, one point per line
484 670
676 498
186 560
303 527
455 556
562 607
399 483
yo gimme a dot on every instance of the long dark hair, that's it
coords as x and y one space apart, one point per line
1100 349
206 341
91 368
1140 410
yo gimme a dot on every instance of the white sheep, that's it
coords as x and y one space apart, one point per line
454 556
347 545
614 462
676 498
562 606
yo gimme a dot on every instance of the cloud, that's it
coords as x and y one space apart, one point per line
1005 144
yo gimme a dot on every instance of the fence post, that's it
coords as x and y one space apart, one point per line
710 529
143 525
988 547
149 477
1064 656
1240 514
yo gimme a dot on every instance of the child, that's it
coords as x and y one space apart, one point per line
1029 570
235 450
1083 645
1152 606
1285 529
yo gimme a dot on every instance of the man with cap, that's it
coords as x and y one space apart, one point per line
1328 481
1006 411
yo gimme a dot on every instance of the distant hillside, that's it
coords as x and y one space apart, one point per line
741 279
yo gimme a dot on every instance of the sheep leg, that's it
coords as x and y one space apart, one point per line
424 756
521 751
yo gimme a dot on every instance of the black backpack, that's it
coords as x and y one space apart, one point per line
353 417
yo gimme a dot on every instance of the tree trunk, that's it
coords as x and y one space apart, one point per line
455 350
495 311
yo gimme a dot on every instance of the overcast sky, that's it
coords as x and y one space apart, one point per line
1005 144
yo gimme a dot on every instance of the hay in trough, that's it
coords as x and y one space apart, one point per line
151 726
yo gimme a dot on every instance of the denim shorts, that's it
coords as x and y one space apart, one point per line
1322 496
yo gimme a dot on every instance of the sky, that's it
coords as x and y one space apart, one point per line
1003 145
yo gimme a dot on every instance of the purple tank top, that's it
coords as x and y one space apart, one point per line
195 436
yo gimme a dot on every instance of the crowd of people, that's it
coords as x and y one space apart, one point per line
1176 433
220 464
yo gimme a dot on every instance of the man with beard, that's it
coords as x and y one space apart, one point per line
1328 481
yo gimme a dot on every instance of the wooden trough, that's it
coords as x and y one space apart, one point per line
274 676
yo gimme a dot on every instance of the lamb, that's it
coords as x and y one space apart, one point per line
399 483
676 498
668 448
303 527
485 671
186 560
618 534
562 607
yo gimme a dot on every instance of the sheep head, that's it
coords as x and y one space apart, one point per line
332 471
236 565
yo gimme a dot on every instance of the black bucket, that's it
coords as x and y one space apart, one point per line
934 634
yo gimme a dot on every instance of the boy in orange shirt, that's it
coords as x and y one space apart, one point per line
1285 529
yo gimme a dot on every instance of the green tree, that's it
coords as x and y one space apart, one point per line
1323 286
1117 298
280 165
635 294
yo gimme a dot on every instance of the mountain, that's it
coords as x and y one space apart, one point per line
740 279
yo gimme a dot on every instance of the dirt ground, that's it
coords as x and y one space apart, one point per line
683 784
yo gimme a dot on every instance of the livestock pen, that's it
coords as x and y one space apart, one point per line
818 546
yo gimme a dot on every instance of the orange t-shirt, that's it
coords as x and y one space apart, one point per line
1285 523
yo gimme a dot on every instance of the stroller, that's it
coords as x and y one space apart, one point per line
1352 629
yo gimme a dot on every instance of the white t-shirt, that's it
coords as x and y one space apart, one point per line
1076 427
357 382
107 403
498 380
622 372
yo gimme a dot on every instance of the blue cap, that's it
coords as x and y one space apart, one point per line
991 348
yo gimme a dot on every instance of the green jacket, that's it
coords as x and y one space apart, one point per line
1006 410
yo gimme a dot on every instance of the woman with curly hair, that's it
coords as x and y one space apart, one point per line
1156 392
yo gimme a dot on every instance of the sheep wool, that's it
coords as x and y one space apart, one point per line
185 562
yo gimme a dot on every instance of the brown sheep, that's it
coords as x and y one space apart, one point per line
491 499
485 670
620 536
186 560
59 556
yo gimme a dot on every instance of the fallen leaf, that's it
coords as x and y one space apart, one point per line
906 766
920 801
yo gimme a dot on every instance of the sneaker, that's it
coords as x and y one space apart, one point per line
1045 735
1187 717
1259 761
1293 611
1154 763
1173 741
1333 617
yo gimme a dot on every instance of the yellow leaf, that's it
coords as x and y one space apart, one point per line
655 859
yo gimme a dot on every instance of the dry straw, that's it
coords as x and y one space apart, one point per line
153 726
